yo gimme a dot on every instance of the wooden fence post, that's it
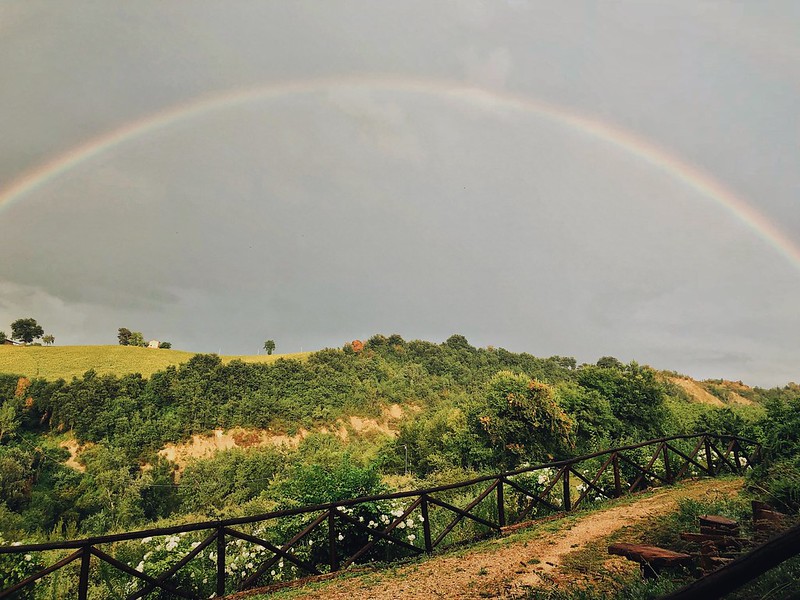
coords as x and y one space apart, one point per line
736 456
709 461
667 467
426 524
334 556
567 503
220 562
501 507
617 482
83 582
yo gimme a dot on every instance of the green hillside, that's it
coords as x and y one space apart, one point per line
66 362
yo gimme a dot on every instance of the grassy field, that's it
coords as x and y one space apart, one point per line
73 361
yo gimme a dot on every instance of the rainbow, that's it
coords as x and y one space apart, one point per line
481 98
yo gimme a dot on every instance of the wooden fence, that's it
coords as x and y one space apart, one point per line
324 538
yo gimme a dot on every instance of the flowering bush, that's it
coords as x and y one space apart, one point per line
16 567
535 482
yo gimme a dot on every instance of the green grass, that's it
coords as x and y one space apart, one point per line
66 362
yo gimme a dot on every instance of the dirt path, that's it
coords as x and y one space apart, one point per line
508 565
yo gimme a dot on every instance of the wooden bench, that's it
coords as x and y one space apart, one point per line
651 559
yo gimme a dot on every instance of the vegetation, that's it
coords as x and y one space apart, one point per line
269 346
468 410
26 330
66 362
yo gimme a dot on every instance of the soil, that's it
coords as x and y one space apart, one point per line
205 446
697 392
508 566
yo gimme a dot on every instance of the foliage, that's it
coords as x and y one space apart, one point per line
16 567
269 346
635 395
3 337
521 420
124 336
49 340
136 339
165 345
26 330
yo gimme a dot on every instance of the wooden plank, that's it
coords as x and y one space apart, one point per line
718 521
655 556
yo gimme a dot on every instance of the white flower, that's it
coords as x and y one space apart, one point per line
410 523
195 545
28 557
140 566
280 564
421 519
401 525
272 573
341 537
360 519
372 524
249 565
147 555
542 479
411 537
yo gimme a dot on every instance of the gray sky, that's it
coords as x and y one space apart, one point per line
371 200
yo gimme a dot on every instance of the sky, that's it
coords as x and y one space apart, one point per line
561 178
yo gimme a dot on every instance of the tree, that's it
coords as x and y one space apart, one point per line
49 339
269 346
26 330
165 345
520 419
136 339
124 336
3 337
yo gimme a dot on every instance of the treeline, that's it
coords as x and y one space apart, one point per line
477 409
139 415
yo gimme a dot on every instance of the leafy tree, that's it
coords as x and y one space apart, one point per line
124 336
3 337
26 330
136 339
165 345
269 346
521 419
49 339
635 395
609 362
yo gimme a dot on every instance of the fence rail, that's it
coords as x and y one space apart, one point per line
330 537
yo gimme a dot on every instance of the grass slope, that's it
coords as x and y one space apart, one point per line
66 362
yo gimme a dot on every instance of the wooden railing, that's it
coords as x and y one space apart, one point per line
330 537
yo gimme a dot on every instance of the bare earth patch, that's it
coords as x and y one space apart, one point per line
205 446
73 448
509 565
697 392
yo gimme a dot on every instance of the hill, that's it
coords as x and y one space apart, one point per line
66 362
